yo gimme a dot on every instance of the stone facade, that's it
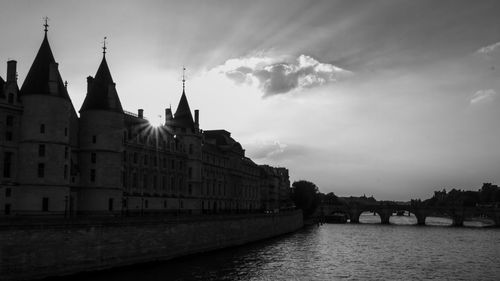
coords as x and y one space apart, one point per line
108 161
35 250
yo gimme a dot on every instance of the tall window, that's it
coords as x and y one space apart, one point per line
7 162
11 98
94 139
135 157
110 204
41 150
42 128
190 172
45 204
8 192
9 122
92 175
7 209
134 180
124 178
93 158
65 171
190 148
66 152
65 132
8 135
41 170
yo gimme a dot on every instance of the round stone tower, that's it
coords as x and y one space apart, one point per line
101 129
44 151
188 134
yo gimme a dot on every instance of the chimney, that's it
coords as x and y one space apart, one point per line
168 115
196 116
90 80
140 113
11 71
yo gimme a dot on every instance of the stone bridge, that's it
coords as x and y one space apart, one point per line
385 210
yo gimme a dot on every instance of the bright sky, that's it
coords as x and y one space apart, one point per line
387 98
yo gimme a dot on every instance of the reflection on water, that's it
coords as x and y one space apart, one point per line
340 252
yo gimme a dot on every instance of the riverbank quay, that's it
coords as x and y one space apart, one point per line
35 249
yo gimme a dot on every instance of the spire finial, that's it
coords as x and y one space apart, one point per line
46 25
104 46
183 78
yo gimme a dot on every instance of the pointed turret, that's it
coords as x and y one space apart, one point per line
43 77
102 93
182 116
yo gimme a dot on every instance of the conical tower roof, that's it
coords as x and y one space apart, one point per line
182 116
102 94
38 78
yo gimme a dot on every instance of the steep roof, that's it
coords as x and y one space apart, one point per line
102 94
182 116
37 80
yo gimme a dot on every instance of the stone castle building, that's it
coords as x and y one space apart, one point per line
109 161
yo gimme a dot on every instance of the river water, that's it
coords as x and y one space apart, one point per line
366 251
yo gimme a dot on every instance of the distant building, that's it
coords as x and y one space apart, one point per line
110 161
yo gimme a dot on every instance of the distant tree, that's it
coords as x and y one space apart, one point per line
306 196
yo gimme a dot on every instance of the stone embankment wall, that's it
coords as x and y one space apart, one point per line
37 250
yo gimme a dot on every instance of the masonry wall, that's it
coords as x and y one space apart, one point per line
41 250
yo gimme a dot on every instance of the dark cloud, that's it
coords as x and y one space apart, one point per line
282 77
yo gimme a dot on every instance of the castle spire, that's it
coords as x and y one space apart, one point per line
101 94
183 79
46 25
182 116
104 46
44 78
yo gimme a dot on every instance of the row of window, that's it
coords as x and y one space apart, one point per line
42 130
41 171
41 151
45 205
145 204
154 183
146 159
9 123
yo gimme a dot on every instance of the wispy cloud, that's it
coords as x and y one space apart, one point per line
482 96
279 76
488 49
275 150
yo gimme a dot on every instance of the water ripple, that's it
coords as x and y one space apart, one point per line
341 252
